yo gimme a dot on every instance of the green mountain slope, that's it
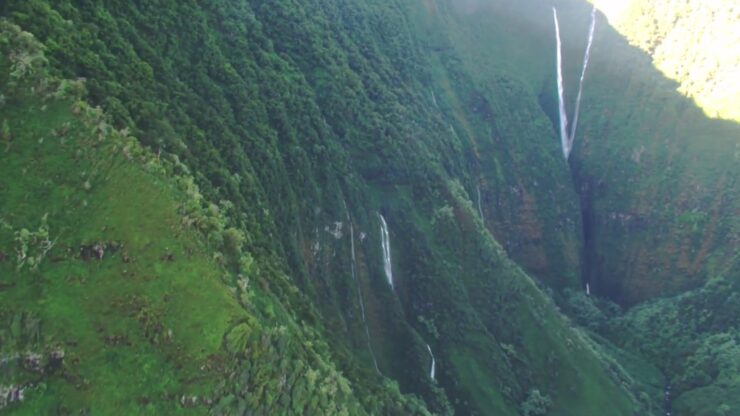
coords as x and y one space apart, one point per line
118 292
676 33
233 251
657 178
692 338
285 218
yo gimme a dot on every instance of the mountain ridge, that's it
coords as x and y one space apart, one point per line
300 122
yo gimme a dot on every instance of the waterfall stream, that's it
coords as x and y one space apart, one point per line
566 139
586 58
433 369
385 241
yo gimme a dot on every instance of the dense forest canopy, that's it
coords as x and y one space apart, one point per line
352 207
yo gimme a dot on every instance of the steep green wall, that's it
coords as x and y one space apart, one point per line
485 87
301 121
306 115
119 285
657 177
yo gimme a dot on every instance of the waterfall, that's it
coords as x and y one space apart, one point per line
667 400
432 370
385 241
564 140
567 139
586 57
480 209
359 295
588 289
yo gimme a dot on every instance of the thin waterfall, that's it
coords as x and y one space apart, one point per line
564 140
433 369
359 295
586 57
385 241
667 400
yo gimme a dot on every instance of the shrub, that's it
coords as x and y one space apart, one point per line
536 404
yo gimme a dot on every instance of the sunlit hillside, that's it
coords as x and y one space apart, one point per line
695 42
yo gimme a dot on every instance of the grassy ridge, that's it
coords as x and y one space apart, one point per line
116 297
126 321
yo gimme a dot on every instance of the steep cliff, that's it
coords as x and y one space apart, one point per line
289 157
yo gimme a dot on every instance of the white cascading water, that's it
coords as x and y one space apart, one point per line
586 58
359 295
567 139
564 140
433 369
385 241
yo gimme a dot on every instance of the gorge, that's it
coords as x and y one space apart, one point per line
179 182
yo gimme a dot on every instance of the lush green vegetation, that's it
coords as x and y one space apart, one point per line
702 33
203 236
693 340
657 178
122 292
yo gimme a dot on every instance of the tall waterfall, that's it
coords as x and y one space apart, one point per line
433 369
385 240
566 139
586 57
359 295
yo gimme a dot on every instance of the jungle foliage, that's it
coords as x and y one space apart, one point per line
190 196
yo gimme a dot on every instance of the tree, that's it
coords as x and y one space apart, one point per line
536 404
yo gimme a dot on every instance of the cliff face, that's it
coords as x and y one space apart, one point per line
301 123
657 176
296 125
